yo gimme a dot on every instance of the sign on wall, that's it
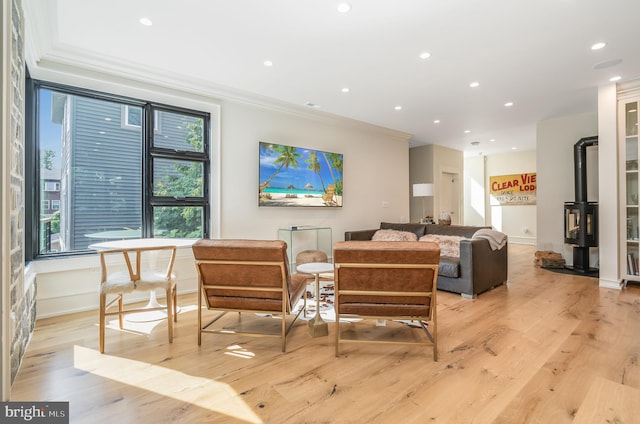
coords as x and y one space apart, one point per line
516 189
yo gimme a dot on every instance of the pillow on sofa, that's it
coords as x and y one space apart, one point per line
393 235
449 245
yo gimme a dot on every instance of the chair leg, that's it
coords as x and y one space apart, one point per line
175 304
170 313
120 314
284 332
337 334
103 302
199 317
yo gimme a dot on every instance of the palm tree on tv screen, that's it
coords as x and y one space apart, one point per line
334 161
288 157
315 166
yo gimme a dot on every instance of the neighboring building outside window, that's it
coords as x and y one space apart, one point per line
51 186
107 180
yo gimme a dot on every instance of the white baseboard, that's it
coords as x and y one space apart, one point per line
522 240
610 284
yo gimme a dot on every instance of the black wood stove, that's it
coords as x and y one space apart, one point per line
581 216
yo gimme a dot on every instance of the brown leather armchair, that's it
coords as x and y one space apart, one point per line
387 280
246 276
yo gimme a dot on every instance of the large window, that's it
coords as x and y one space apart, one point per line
114 168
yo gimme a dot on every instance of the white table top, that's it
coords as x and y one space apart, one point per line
315 267
141 243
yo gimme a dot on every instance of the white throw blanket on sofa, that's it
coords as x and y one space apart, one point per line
497 240
449 245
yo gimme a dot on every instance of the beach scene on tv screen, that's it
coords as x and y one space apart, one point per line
296 176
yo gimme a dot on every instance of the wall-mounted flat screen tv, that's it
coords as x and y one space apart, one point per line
296 176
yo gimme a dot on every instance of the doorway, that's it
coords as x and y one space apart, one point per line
449 196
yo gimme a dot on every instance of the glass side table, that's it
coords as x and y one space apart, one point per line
299 238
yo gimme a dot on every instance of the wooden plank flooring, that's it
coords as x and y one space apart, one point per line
546 348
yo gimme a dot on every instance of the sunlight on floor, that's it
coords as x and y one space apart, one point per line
145 322
201 392
239 352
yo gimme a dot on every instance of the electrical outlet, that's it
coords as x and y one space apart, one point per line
385 204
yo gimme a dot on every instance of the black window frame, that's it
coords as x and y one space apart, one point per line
149 152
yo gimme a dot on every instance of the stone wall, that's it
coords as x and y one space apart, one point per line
23 305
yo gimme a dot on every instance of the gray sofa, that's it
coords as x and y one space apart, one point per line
478 269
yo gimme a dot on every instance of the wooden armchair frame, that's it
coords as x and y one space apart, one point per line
394 303
239 293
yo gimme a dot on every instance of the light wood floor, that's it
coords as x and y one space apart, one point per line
546 348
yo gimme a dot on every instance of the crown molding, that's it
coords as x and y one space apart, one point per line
64 64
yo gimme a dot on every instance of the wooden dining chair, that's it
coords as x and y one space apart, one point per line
115 283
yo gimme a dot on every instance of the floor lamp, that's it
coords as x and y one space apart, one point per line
423 190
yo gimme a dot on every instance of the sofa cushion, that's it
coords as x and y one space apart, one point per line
418 229
452 230
449 267
449 245
394 235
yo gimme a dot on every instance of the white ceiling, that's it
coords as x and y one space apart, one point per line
534 53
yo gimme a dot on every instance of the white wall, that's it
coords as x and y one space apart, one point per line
555 175
608 211
376 177
475 210
517 221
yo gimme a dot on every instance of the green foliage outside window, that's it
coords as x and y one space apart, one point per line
186 181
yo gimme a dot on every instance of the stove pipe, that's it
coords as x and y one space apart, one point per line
580 166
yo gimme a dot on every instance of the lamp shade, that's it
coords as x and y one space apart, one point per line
422 190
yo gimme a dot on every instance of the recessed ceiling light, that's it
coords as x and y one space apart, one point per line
436 121
268 63
467 131
492 140
398 108
425 55
508 104
344 7
607 64
146 21
474 84
345 90
616 78
514 148
598 46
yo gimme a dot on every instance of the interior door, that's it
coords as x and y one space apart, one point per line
449 196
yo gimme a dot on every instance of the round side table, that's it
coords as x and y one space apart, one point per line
317 326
